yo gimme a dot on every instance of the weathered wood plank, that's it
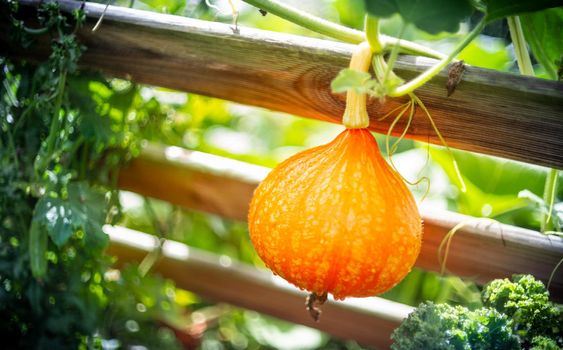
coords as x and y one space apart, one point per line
493 113
481 251
369 321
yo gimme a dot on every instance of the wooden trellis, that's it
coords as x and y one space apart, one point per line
493 113
368 321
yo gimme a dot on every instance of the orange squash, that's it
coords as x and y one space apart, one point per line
337 219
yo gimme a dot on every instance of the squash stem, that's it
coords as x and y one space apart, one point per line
356 115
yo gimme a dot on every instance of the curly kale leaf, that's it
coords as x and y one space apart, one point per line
544 343
444 327
526 301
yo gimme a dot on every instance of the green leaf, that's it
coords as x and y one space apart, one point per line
37 250
493 184
84 209
96 127
55 215
166 6
351 79
89 212
503 8
543 33
351 12
94 123
432 16
487 52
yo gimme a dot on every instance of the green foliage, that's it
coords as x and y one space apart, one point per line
444 327
516 314
503 8
136 308
166 6
432 16
506 190
420 285
544 343
351 12
60 134
526 301
543 33
83 209
487 53
352 79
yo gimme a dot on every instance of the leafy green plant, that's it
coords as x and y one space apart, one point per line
441 326
62 135
544 343
526 301
517 314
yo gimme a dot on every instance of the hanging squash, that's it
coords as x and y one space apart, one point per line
337 218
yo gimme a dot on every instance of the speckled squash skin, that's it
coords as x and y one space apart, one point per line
337 219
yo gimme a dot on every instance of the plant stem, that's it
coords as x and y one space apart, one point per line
52 138
434 70
309 21
356 115
410 48
334 30
520 49
393 56
55 123
372 34
549 199
526 68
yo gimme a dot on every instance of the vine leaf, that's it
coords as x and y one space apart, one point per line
166 6
84 209
503 8
432 16
543 33
54 214
96 127
348 79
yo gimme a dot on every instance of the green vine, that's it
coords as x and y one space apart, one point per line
437 68
372 34
525 66
337 31
549 196
520 49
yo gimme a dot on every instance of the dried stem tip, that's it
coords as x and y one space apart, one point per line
313 304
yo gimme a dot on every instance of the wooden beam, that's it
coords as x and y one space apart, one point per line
369 321
480 250
494 113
